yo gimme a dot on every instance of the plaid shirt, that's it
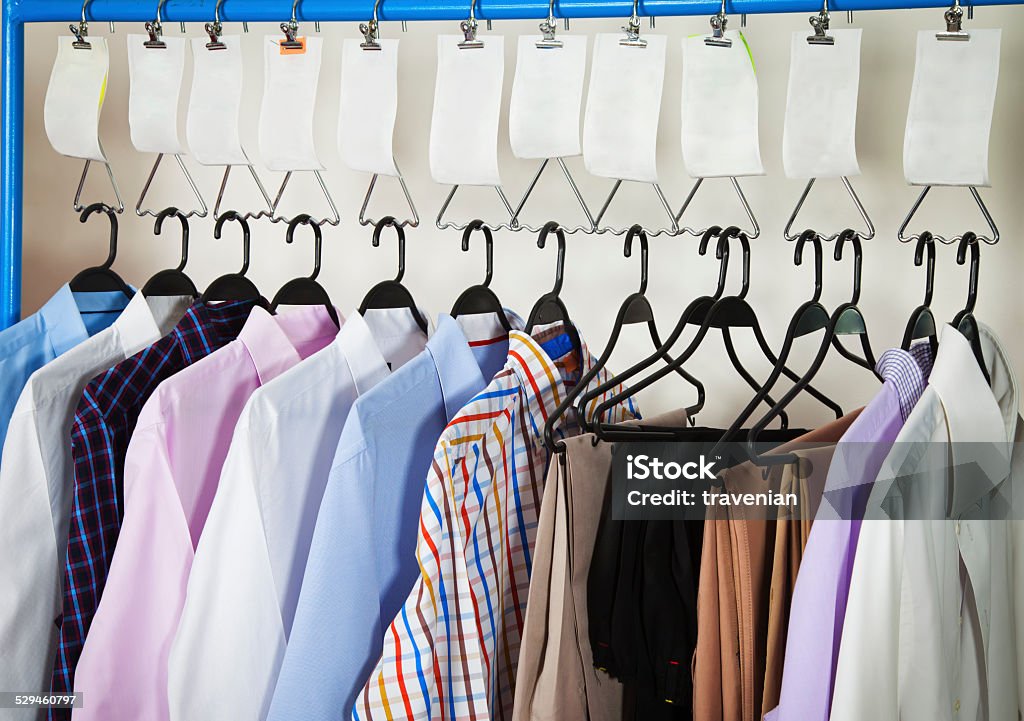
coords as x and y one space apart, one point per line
453 649
104 421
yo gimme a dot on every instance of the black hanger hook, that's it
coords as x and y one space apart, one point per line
637 231
386 221
112 217
318 239
809 236
232 215
858 258
926 243
553 227
723 267
724 237
474 226
159 226
970 240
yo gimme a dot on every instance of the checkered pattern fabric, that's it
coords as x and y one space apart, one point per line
103 424
452 651
908 371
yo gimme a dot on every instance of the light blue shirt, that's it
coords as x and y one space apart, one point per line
63 322
362 561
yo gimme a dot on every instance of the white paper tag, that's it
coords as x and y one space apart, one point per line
951 105
819 136
719 115
155 94
620 126
547 96
215 104
368 107
74 99
467 107
289 100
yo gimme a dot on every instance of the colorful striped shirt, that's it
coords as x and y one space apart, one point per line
104 421
452 651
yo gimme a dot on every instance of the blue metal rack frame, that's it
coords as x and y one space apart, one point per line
18 12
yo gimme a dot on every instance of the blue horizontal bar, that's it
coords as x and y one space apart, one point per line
346 10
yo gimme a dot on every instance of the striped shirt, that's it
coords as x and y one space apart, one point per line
104 421
452 651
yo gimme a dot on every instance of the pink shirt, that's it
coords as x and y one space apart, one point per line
172 468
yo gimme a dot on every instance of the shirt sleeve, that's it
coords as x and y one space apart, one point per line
30 591
122 670
230 641
319 681
867 674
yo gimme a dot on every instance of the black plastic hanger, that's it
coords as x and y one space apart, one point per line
233 286
550 308
723 313
391 293
847 319
305 290
965 322
172 281
100 278
634 309
480 298
922 322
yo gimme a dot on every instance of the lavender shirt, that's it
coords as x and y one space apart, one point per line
823 583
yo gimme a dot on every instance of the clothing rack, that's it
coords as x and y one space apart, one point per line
16 13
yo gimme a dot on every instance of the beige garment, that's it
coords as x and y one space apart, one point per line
748 568
556 679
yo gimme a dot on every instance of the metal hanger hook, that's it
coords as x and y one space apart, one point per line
926 243
159 226
809 236
553 227
970 240
217 229
858 258
112 217
637 231
474 226
389 221
318 239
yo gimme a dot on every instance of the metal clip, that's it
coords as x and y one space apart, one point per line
549 27
215 29
469 28
632 30
371 31
156 30
291 31
819 23
81 31
718 25
954 19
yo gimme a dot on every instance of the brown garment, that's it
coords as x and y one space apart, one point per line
748 568
556 679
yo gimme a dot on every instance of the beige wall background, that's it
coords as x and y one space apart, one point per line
597 276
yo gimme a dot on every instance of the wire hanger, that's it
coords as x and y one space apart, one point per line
847 319
964 321
867 234
755 229
306 290
724 313
480 298
922 321
101 278
371 42
635 309
990 240
391 293
172 281
233 286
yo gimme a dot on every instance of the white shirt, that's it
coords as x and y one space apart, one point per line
244 584
36 483
929 630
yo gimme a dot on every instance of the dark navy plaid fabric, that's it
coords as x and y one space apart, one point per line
104 421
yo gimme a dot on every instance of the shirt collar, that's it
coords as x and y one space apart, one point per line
144 320
274 341
62 317
906 371
208 326
981 418
358 347
450 348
